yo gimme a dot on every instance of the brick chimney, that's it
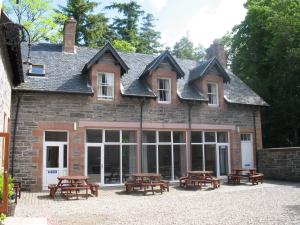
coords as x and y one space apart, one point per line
69 35
217 49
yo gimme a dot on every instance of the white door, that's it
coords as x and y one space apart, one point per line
55 162
247 150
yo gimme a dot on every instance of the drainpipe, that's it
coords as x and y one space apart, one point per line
14 135
254 139
141 133
190 105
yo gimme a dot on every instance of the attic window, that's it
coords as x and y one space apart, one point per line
36 70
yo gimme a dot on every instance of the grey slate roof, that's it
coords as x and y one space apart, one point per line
64 74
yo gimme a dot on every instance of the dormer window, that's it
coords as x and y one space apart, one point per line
106 85
212 93
164 90
36 70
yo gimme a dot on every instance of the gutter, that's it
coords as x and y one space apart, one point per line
254 139
141 132
14 135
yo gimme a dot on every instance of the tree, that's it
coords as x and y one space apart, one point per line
38 17
148 37
123 46
92 29
126 28
184 49
265 51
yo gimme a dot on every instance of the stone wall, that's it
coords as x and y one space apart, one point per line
5 91
39 112
280 163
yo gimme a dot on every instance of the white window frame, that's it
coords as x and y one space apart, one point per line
170 88
172 144
104 97
211 94
217 145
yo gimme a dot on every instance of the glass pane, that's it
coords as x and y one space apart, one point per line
164 136
93 164
178 137
196 136
245 137
65 156
37 69
129 161
210 158
165 161
149 159
210 137
179 161
223 158
52 156
128 136
111 164
149 137
222 137
197 157
56 136
112 136
94 136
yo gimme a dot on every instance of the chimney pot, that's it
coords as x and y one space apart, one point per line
69 35
216 49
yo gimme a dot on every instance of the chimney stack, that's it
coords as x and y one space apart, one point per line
216 49
69 35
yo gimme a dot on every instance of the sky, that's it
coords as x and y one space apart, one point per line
202 20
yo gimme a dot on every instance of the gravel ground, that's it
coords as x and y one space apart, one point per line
269 203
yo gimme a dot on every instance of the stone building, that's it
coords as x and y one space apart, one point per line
108 114
11 74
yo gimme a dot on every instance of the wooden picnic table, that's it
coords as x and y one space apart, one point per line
70 185
249 174
148 181
199 178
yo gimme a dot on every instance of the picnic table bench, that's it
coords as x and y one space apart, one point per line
149 182
197 179
72 185
248 174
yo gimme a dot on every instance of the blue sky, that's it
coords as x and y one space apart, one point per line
203 20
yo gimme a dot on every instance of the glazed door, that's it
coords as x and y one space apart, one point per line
55 162
247 150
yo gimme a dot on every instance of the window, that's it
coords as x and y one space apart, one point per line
164 90
164 152
36 70
212 93
245 137
106 85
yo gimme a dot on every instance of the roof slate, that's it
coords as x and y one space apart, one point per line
64 74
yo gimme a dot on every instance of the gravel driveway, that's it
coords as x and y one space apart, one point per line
269 203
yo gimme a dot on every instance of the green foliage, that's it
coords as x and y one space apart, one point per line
184 49
123 46
38 17
126 27
92 29
2 217
265 51
10 186
148 37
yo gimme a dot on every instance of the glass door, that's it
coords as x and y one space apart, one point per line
94 163
223 160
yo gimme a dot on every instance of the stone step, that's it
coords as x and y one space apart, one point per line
25 221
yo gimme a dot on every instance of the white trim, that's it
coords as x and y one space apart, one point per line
104 97
170 90
60 144
210 93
